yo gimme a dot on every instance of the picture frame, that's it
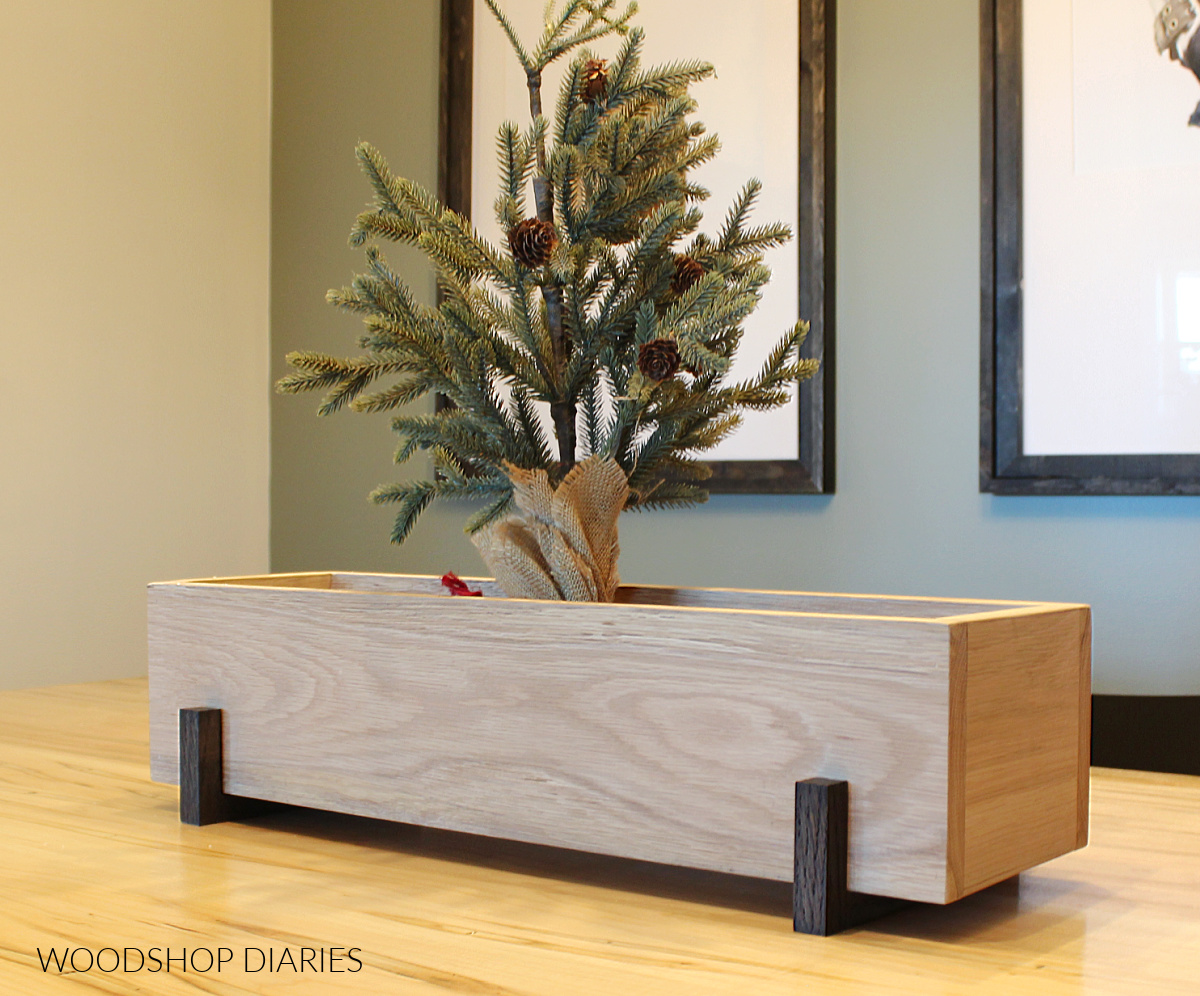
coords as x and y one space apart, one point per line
1005 465
813 470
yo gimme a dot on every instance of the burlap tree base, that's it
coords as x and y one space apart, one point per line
561 544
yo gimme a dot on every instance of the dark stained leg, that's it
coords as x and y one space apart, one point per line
202 798
821 902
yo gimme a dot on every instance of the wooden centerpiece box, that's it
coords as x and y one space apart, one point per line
671 726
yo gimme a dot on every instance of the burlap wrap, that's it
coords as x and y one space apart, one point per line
561 544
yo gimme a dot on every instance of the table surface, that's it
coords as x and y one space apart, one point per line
92 856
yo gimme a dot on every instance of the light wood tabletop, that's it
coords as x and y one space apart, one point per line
92 856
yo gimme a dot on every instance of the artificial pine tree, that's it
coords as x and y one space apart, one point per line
609 308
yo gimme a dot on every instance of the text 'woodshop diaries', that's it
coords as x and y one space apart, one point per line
200 961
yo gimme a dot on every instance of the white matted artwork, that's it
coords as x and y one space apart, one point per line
1112 234
1095 171
755 47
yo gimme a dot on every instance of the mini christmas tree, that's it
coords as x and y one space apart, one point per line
607 308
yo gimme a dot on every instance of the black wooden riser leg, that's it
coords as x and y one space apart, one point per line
202 797
821 902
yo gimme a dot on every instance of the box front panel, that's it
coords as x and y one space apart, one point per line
666 734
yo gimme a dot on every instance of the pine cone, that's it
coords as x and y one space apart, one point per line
595 79
658 360
532 241
687 272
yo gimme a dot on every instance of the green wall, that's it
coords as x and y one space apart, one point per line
907 516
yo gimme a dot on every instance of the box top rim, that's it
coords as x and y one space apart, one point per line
996 608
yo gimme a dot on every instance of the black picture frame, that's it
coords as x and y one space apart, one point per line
813 471
1004 467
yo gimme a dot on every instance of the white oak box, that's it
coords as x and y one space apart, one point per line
670 726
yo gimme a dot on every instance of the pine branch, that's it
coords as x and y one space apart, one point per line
536 444
671 79
494 510
346 378
556 42
593 416
511 33
513 165
412 497
624 68
403 393
668 494
314 372
738 213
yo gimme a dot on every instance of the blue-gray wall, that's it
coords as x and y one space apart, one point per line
907 516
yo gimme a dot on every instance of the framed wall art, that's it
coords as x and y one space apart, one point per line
771 105
1090 351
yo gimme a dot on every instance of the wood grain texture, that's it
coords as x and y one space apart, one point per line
956 765
308 579
92 853
201 772
1025 742
1083 760
817 231
823 603
454 105
820 894
667 734
671 733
